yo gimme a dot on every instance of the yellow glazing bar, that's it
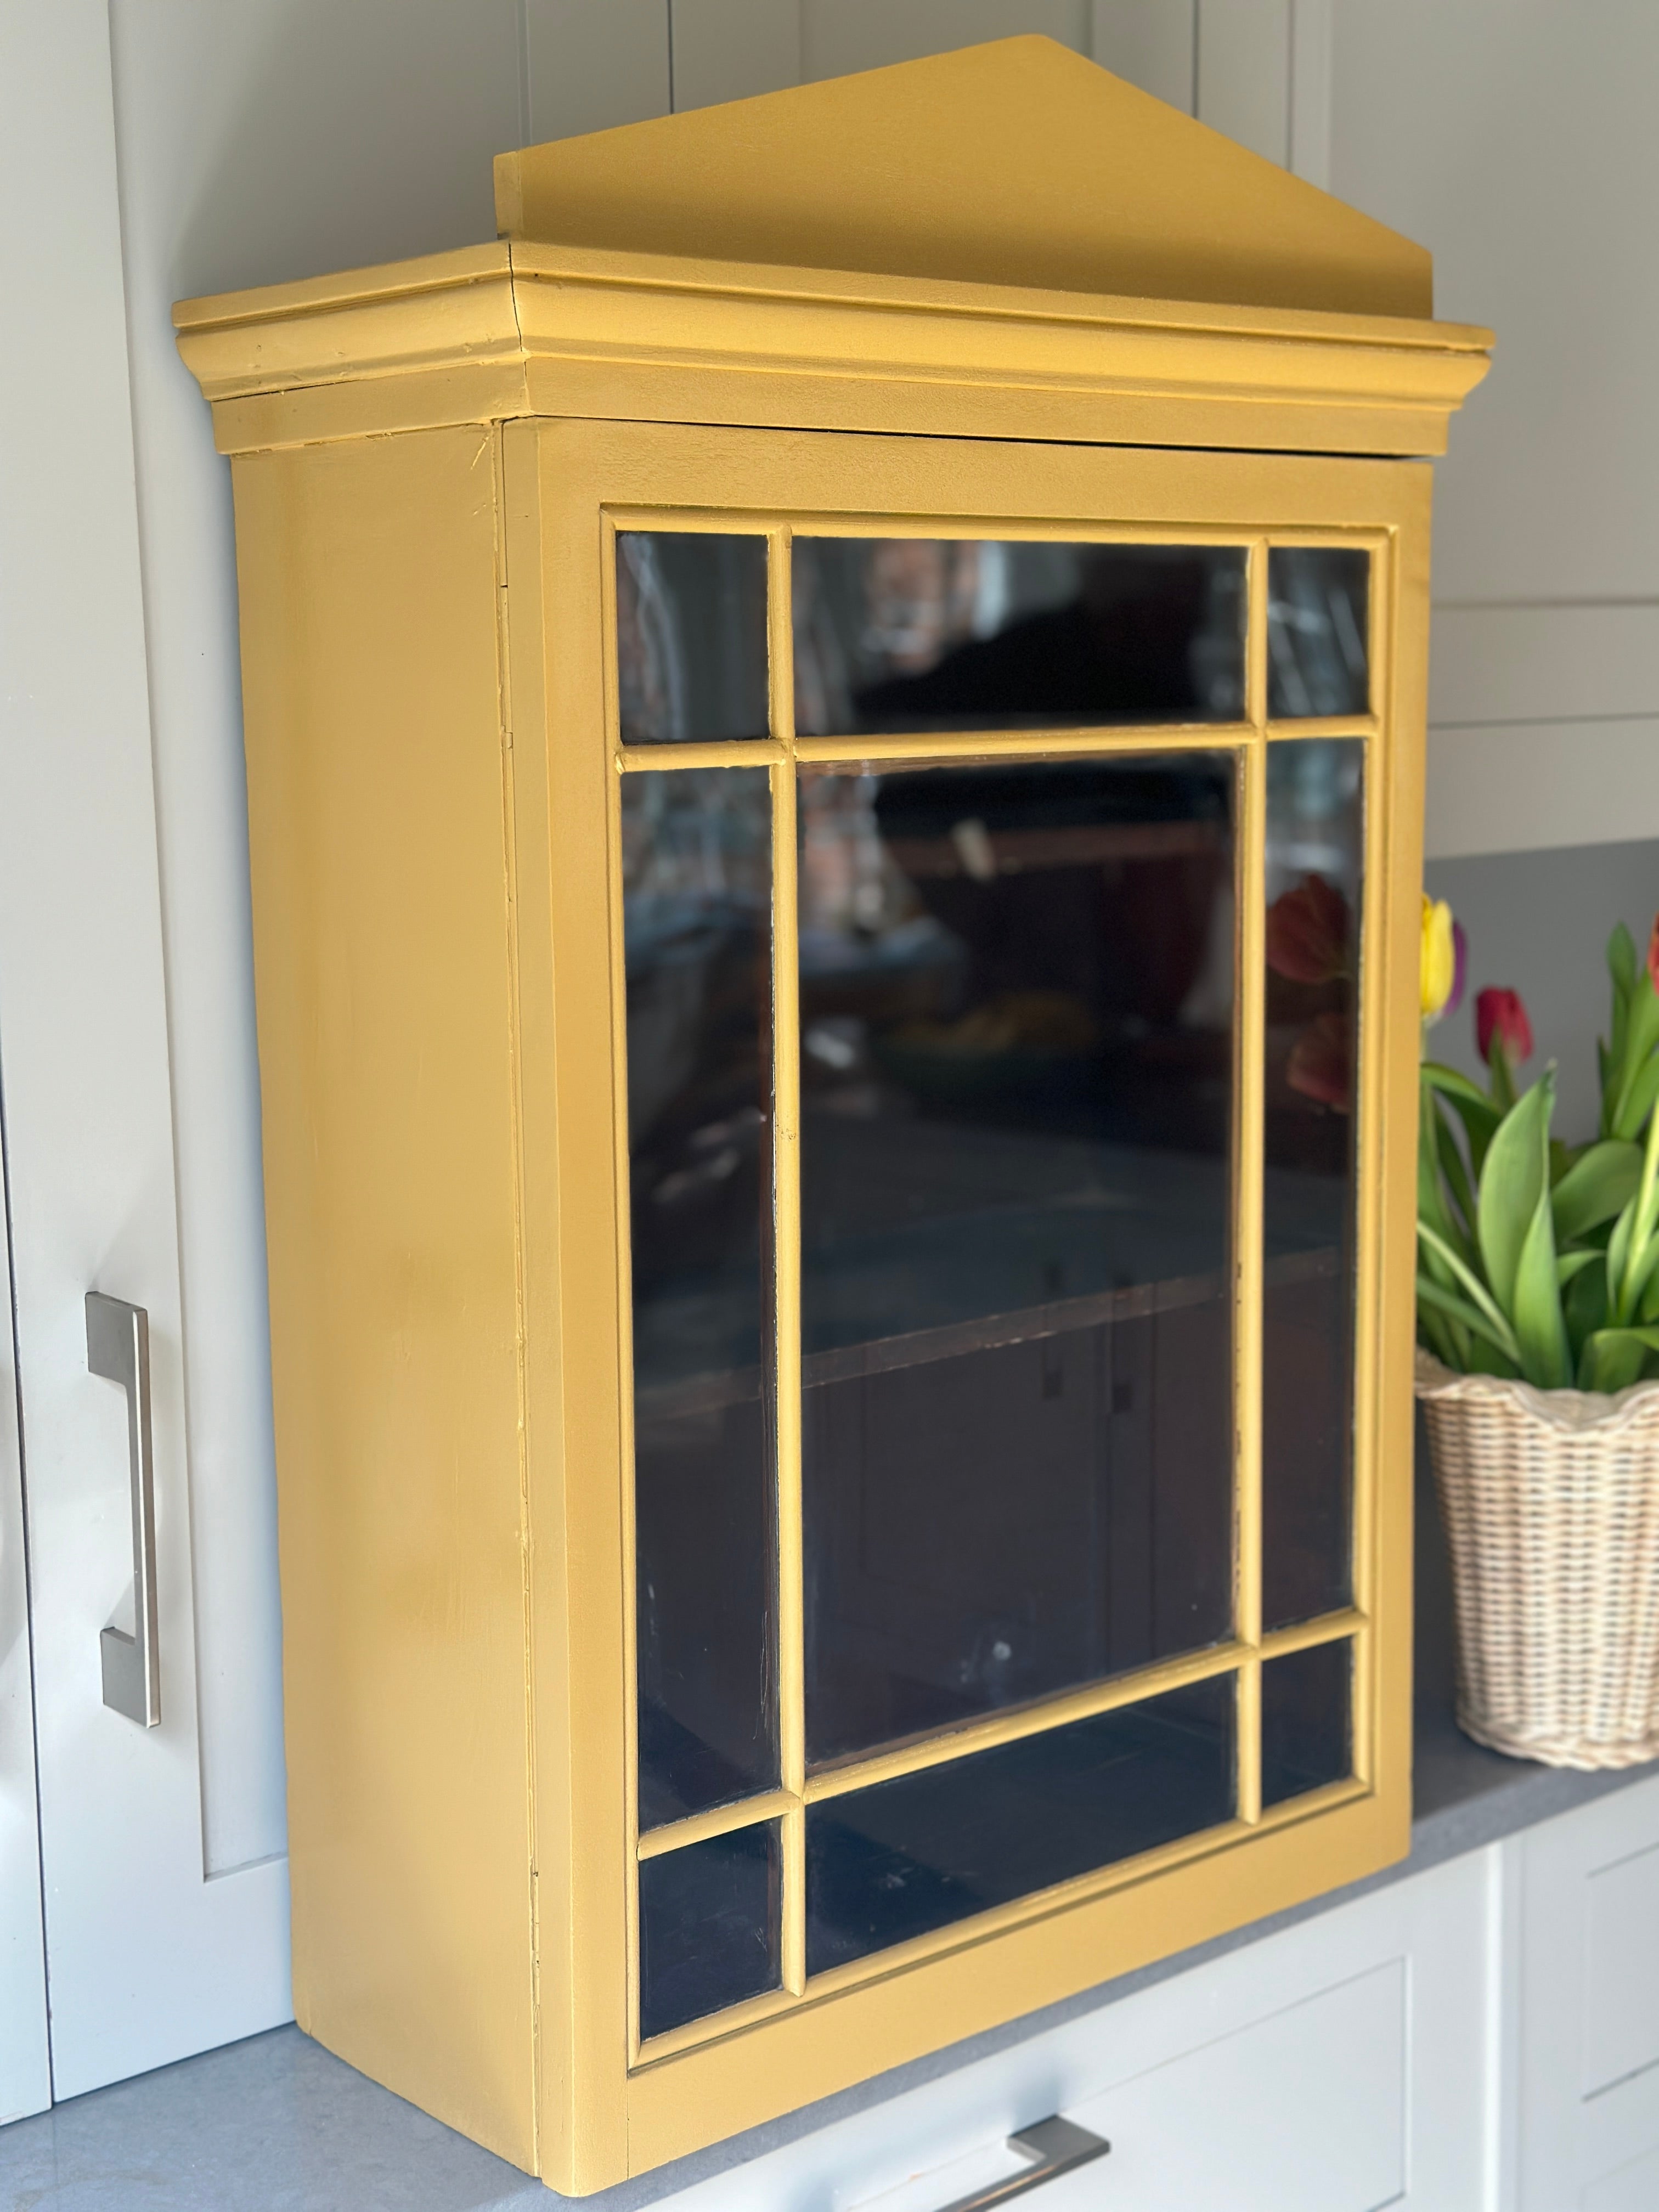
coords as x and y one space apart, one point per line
1003 744
1323 725
1374 992
1306 1635
624 1276
786 1257
717 1821
725 752
1014 1723
1251 1020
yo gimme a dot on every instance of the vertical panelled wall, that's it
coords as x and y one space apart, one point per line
1257 69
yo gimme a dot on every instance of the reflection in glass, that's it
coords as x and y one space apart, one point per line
1016 991
697 866
690 636
901 1858
1306 1720
938 634
1315 846
708 1927
1316 631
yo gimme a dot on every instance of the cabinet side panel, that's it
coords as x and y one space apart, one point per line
367 581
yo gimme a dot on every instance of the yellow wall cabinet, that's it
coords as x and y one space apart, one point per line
835 742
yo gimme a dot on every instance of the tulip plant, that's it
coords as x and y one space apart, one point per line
1537 1259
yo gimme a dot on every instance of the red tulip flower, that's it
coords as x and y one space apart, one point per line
1308 933
1501 1024
1653 953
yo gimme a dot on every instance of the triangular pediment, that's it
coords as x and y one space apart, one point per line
1016 163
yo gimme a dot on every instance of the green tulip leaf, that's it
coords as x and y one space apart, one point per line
1458 1186
1495 1322
1472 1108
1539 1329
1584 1308
1635 1098
1440 1300
1614 1357
1514 1183
1571 1264
1598 1186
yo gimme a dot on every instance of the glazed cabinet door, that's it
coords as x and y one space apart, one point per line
1003 861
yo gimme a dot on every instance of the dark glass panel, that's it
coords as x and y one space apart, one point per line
1307 1725
1315 848
946 634
1015 996
696 865
690 636
898 1859
708 1927
1316 631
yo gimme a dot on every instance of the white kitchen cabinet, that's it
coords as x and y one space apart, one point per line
1584 1991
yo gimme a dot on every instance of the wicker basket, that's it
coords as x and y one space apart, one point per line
1550 1505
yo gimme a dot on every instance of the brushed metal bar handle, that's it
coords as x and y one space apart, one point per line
118 1348
1055 2145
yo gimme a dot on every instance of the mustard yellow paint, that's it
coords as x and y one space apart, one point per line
1015 163
1048 298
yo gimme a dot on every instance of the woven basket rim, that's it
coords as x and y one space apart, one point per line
1569 1412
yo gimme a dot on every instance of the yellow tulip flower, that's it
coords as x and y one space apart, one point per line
1438 972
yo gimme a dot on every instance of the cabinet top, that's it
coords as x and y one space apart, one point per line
1002 242
1017 162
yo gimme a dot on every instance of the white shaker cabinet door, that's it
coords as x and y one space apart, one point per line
147 1958
1587 1988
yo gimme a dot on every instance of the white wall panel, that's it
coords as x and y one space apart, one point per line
1501 663
590 66
1528 786
1152 43
1516 139
843 35
1311 33
1244 73
733 49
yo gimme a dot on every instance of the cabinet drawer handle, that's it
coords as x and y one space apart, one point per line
118 1348
1055 2146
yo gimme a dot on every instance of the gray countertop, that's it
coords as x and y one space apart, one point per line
277 2124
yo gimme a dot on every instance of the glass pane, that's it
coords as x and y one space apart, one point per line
690 637
1306 1720
1015 989
708 1927
697 871
1315 848
1316 631
947 634
895 1861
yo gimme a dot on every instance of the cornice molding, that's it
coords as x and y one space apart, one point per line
490 332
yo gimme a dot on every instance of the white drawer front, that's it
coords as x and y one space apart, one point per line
1303 2111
